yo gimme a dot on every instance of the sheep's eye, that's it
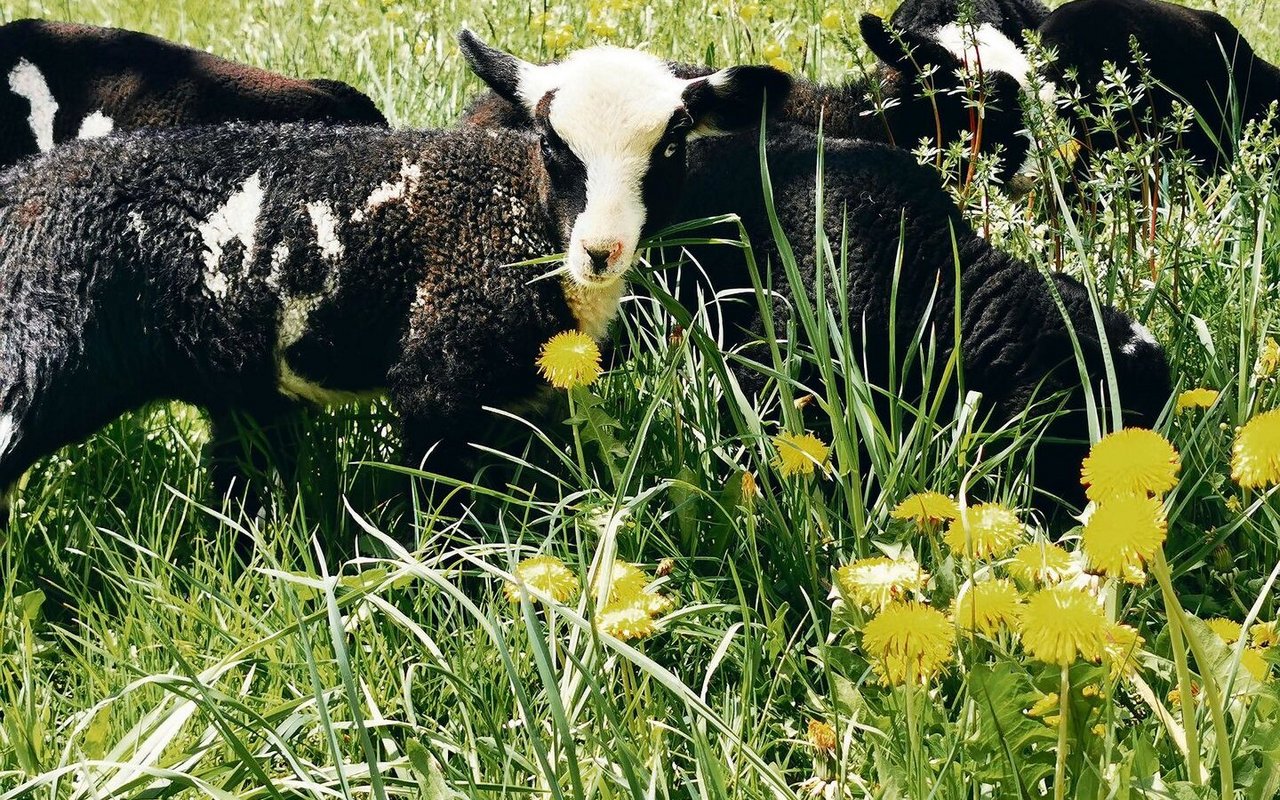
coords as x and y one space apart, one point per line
671 150
546 147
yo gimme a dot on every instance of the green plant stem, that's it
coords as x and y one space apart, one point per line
1060 763
1186 701
577 437
1173 610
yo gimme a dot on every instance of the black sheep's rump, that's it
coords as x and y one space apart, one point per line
1015 346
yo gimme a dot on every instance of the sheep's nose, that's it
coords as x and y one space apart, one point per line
600 257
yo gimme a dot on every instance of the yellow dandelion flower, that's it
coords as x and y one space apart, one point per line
1068 151
1268 358
558 38
1255 662
1099 730
570 359
1123 534
782 63
988 606
798 455
749 11
771 51
626 620
750 489
1121 645
832 19
1129 461
877 582
1091 690
1227 630
1039 562
926 507
1047 704
1060 625
1264 634
547 574
822 736
1197 398
1255 456
993 530
626 582
909 640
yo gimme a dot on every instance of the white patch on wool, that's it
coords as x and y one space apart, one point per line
236 219
26 80
391 191
1140 336
611 107
6 433
279 254
95 126
136 223
994 51
326 226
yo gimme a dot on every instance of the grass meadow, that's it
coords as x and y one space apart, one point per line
702 620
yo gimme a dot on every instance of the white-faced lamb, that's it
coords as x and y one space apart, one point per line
65 81
1198 56
1014 343
936 84
248 268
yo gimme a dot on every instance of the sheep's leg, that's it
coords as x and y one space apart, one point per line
243 449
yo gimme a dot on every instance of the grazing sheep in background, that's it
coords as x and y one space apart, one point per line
1014 343
1197 55
1010 17
65 81
248 268
902 116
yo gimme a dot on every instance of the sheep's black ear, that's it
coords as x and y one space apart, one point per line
733 98
498 69
904 50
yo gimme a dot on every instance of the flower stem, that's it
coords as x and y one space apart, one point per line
1226 776
1186 700
1060 765
577 438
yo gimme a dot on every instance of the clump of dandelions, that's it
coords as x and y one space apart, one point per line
986 530
546 574
631 608
1060 624
909 641
1255 455
799 454
570 359
1123 534
877 582
1129 461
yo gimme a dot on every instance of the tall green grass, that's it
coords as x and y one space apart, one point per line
367 651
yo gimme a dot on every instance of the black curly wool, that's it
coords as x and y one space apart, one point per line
1015 346
136 80
890 106
374 261
1196 55
1010 17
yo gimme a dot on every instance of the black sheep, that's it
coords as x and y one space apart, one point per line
67 81
892 106
1015 345
245 268
1196 55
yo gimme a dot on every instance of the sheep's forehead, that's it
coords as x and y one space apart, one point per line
608 100
995 51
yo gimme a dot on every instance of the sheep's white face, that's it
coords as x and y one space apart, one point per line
612 125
